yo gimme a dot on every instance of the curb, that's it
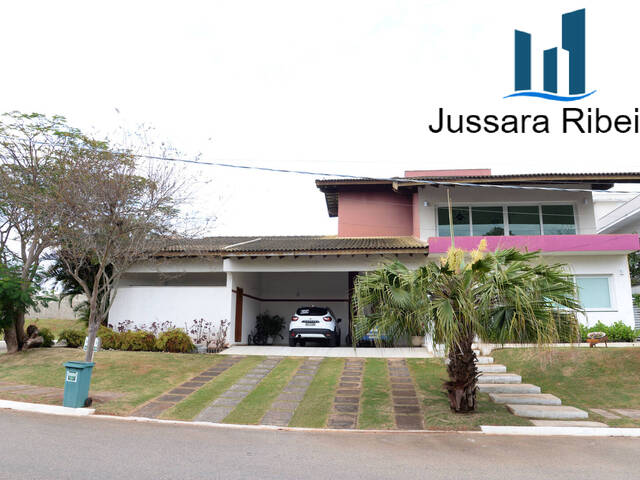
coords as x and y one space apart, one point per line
44 408
562 431
484 429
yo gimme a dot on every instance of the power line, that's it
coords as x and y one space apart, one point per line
340 175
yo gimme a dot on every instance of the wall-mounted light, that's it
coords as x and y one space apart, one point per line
426 204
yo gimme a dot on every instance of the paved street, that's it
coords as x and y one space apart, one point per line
42 446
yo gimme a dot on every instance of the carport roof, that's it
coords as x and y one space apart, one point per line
293 245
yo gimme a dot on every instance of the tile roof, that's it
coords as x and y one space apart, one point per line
599 181
293 245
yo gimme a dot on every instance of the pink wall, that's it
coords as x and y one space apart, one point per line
545 243
375 214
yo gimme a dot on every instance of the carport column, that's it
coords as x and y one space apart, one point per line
238 321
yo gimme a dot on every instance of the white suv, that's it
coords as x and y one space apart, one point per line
314 323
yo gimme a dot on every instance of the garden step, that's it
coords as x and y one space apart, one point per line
548 412
484 360
499 378
526 398
491 368
479 360
508 388
568 423
477 352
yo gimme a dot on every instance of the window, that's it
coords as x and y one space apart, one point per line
461 226
594 292
558 220
524 220
487 221
521 220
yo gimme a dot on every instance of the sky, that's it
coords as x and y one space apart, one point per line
344 87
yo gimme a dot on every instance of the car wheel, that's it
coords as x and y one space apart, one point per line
292 342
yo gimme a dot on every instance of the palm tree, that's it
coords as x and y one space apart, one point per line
500 297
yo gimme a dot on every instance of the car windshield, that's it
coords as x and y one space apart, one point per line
312 311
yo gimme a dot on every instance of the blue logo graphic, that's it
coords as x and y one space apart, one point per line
573 41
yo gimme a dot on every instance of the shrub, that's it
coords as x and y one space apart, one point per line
618 332
174 340
47 337
74 338
139 341
110 340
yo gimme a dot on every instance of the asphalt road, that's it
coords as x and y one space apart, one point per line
35 446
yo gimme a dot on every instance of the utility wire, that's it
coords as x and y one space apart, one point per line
341 175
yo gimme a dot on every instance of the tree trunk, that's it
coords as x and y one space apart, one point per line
463 375
11 338
21 334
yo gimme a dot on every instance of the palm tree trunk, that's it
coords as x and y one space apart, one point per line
463 374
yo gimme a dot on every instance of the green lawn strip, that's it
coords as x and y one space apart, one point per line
375 403
581 377
188 408
256 404
430 374
315 407
141 376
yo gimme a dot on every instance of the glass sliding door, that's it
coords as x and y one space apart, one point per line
524 220
487 221
461 226
558 220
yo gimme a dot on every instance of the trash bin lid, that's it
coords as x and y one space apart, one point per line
79 364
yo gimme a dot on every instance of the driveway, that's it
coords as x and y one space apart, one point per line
41 446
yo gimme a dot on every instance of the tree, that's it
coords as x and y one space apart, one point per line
70 289
500 297
31 149
112 213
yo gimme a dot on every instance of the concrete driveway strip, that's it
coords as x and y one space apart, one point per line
99 448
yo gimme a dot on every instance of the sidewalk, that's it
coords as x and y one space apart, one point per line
335 352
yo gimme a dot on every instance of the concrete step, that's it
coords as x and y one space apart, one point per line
499 378
491 368
568 423
477 352
520 388
484 360
547 412
525 398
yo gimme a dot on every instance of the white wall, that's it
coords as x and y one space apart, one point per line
437 197
617 268
180 305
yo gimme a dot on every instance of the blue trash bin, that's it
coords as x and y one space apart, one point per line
76 384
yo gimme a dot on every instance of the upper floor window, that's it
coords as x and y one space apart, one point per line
511 220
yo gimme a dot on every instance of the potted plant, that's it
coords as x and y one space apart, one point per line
271 325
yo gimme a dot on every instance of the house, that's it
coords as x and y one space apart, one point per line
404 218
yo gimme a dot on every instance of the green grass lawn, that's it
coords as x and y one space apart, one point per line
201 398
315 407
141 376
581 377
429 374
256 404
375 402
